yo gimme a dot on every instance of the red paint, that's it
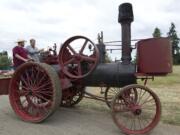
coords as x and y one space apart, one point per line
154 56
4 83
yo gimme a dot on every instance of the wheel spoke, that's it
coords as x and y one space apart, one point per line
141 96
79 69
88 59
24 87
24 81
72 50
41 97
37 74
147 101
148 107
46 89
50 94
32 76
143 123
43 86
139 122
83 47
69 61
28 78
126 99
42 78
23 93
133 124
45 110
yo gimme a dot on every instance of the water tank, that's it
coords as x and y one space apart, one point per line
154 56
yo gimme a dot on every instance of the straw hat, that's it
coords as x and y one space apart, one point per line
20 40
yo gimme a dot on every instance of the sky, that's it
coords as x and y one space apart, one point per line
54 21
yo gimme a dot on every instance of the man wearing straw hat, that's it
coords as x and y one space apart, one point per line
20 55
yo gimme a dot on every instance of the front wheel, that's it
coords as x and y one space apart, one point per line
136 109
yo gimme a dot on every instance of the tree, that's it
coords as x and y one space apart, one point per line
156 33
5 62
4 53
172 34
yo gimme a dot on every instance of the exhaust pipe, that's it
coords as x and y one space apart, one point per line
125 18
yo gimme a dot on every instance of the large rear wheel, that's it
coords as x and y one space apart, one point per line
34 91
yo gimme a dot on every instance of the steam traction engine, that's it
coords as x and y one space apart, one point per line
37 89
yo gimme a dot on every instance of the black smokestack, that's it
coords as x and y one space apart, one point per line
125 18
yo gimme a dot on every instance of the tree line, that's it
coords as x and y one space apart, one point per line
172 34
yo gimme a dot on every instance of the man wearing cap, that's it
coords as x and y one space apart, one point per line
20 55
33 51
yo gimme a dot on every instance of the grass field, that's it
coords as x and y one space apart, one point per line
170 79
168 90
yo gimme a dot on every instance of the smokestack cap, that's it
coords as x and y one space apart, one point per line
125 13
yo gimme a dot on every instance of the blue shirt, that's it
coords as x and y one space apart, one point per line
33 52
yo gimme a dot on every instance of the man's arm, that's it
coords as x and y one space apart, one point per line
29 57
21 58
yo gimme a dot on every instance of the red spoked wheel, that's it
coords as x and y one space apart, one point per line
34 92
136 115
78 57
72 96
111 92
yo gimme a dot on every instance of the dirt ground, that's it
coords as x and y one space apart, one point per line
75 121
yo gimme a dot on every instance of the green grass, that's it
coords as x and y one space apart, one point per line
168 90
170 101
170 79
